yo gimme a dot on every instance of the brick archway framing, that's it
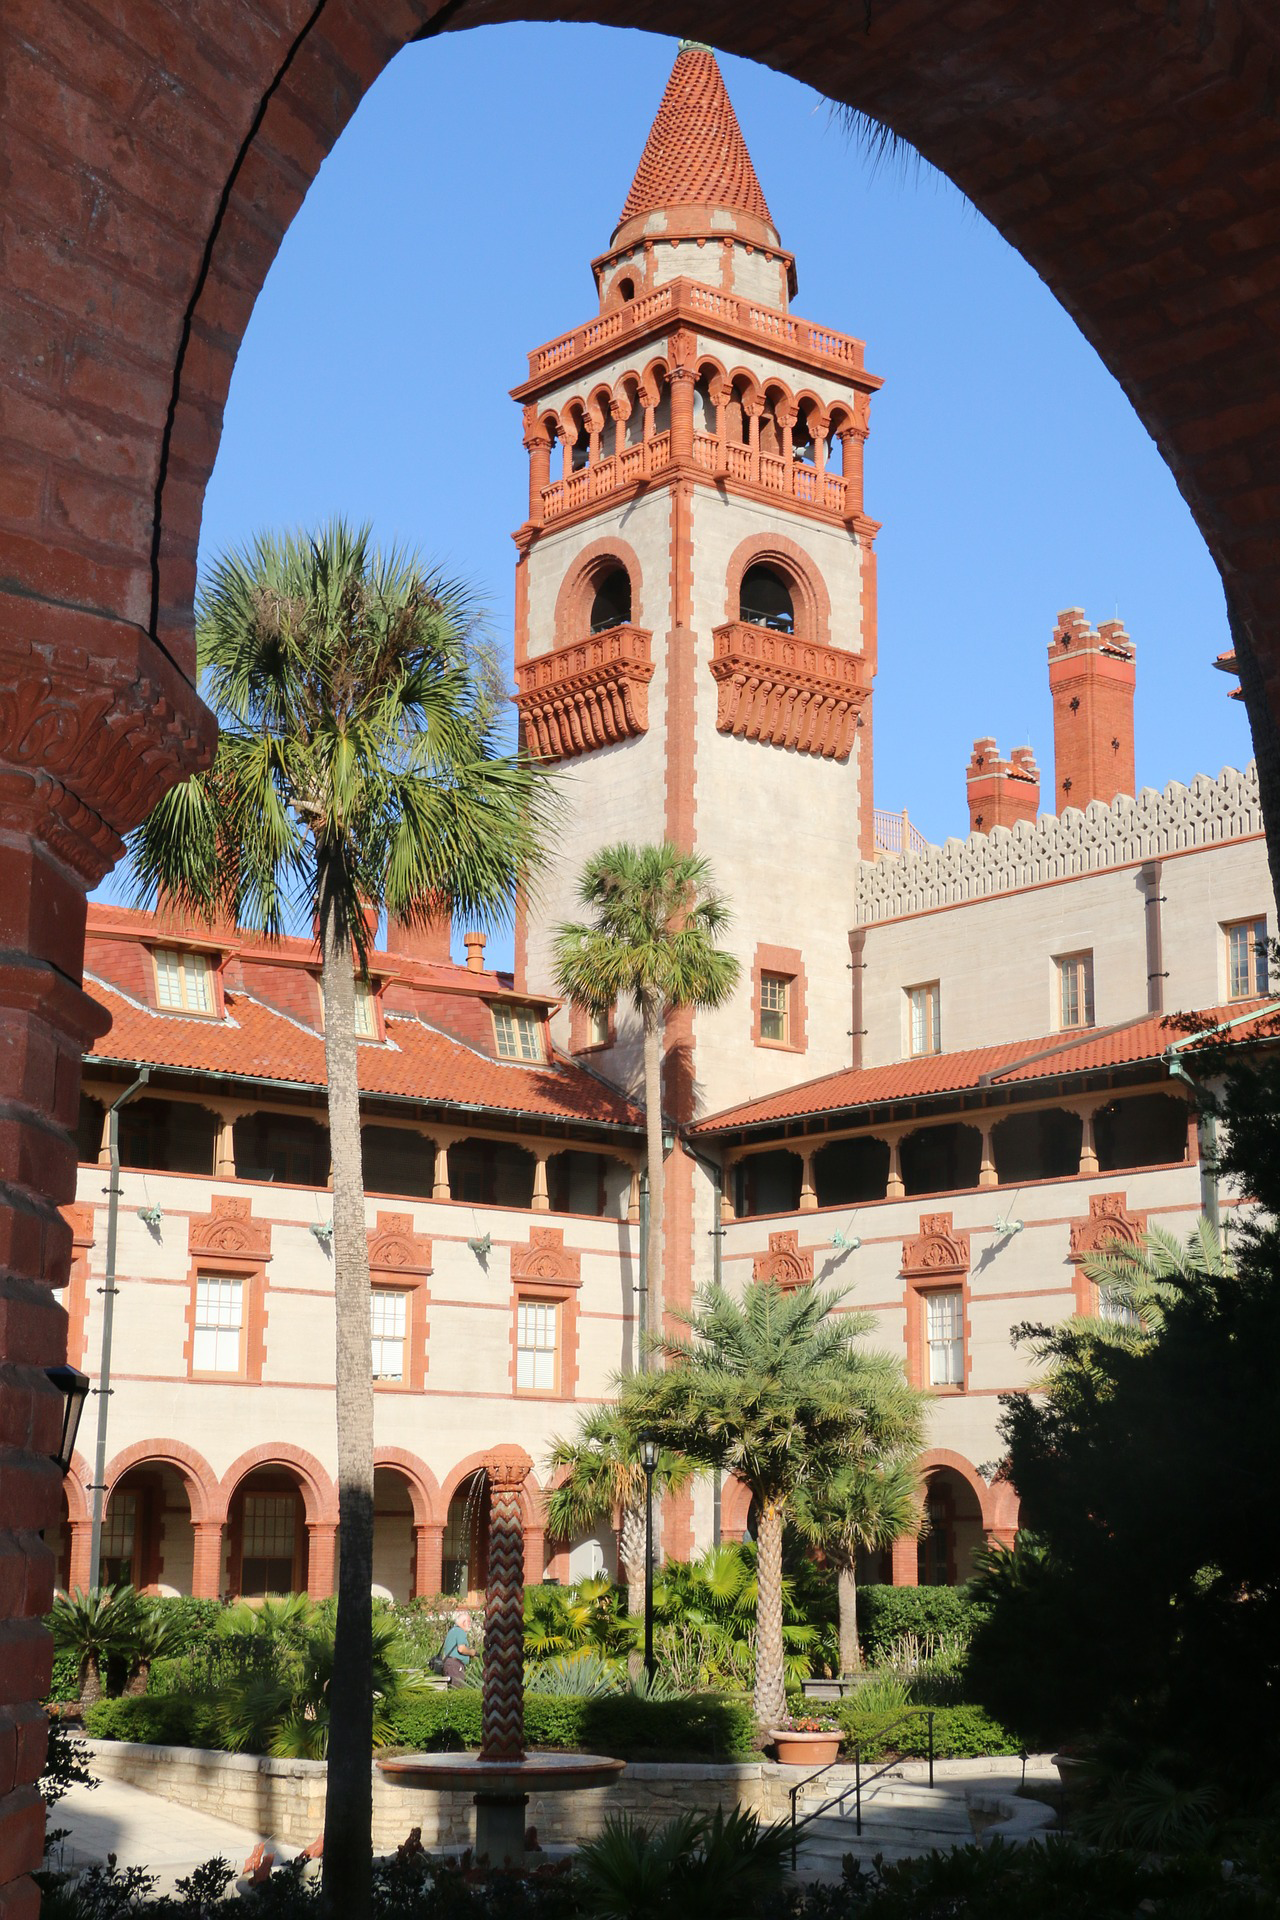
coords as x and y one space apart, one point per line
997 1503
198 1477
429 1509
810 599
573 600
319 1495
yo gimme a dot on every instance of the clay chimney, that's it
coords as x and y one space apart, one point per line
1092 678
474 944
430 942
1001 792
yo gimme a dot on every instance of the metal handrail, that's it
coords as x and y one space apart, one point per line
838 1800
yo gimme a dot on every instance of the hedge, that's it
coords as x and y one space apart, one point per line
702 1726
959 1733
886 1612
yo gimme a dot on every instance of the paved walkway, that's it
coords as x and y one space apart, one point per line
142 1830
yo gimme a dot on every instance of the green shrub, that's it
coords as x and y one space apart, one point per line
164 1720
703 1726
193 1623
886 1613
959 1733
65 1684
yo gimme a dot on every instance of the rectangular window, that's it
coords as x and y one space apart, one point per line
925 1015
219 1318
1246 959
518 1032
774 1024
944 1328
1075 990
390 1324
366 1022
269 1545
119 1530
184 981
1118 1311
598 1029
537 1338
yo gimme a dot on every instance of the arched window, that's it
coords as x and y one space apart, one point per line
765 600
626 289
611 606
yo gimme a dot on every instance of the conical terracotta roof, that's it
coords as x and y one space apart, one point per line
695 155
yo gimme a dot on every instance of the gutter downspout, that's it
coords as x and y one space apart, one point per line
716 1174
108 1290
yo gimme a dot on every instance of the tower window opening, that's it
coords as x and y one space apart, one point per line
704 411
581 451
611 606
802 441
626 289
764 600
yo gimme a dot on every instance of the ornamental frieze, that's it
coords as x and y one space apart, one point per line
591 693
783 1265
1110 1223
546 1258
788 692
937 1248
229 1231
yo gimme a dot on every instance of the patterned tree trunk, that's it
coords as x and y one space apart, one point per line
502 1729
653 1150
631 1553
771 1689
847 1594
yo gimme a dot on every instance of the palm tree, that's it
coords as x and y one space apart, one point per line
604 1479
358 767
772 1388
652 937
1137 1283
863 1508
96 1627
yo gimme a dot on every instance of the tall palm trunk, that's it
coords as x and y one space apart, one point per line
847 1596
652 1014
349 1800
631 1554
771 1685
90 1680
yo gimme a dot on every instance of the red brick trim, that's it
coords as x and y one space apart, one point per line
197 1475
810 599
592 692
429 1510
936 1260
789 962
253 1274
1109 1221
319 1495
76 1298
997 1503
786 691
545 1271
580 1040
400 1260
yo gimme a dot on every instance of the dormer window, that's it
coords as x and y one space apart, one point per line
518 1033
184 981
366 1016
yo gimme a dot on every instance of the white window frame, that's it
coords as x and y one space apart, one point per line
1075 970
517 1034
184 981
365 1019
924 1018
944 1336
598 1034
537 1355
390 1316
217 1328
780 985
1254 932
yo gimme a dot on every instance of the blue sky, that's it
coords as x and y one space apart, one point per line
451 230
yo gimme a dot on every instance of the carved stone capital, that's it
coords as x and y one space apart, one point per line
507 1468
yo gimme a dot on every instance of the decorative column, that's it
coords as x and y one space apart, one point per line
206 1563
80 1574
104 1145
502 1736
819 427
440 1183
853 442
224 1146
321 1542
1088 1146
619 413
987 1175
727 1212
906 1562
808 1193
428 1559
633 1199
538 442
682 379
95 723
894 1188
786 419
541 1203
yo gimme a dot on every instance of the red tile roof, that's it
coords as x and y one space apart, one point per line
695 154
418 1062
929 1075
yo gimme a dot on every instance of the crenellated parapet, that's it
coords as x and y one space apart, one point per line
788 692
1059 847
589 694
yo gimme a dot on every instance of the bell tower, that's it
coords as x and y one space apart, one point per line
695 608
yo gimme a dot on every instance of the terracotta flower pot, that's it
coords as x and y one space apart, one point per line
805 1749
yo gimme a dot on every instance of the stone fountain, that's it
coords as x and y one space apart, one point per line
502 1775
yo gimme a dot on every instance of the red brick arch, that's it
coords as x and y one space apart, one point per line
319 1495
811 601
198 1476
997 1503
573 601
424 1488
530 1493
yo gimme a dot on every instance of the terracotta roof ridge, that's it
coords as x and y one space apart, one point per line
695 154
162 1013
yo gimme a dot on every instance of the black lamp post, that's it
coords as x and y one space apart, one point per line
649 1461
74 1388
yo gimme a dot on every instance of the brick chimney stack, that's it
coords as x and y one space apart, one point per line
429 942
1092 678
1001 792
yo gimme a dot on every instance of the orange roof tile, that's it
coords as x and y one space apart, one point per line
929 1075
695 154
417 1062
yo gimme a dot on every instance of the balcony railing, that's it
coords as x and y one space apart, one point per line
794 480
894 833
603 477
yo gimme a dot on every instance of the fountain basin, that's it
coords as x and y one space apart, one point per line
501 1789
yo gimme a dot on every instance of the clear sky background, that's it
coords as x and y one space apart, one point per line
451 230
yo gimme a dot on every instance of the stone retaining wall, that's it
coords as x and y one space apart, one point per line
285 1798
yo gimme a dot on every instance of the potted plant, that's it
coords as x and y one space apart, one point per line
809 1741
